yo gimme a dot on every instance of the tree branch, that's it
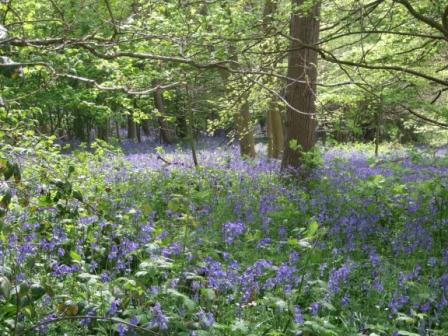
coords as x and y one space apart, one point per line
429 21
124 89
435 122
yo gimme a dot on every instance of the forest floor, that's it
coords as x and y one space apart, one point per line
142 243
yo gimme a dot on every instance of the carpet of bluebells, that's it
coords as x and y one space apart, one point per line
139 242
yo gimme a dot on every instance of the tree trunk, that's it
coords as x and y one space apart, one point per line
79 127
139 133
273 118
103 130
189 117
302 66
165 132
242 118
145 127
275 131
132 130
117 130
244 130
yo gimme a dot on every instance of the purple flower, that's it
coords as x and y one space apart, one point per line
337 277
159 320
314 308
345 301
206 320
122 329
232 230
60 271
105 277
398 302
113 309
297 315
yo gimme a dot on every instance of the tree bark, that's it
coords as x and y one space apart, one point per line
132 130
273 118
302 66
242 117
145 127
165 132
244 130
117 130
103 130
275 131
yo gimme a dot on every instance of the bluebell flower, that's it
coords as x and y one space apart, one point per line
206 320
113 309
232 230
159 320
122 329
314 308
297 315
337 277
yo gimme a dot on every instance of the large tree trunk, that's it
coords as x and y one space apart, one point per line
165 132
302 66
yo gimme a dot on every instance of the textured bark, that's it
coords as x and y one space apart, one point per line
244 130
302 66
275 132
273 118
165 132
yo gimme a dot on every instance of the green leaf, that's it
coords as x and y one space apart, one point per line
5 287
37 291
407 333
77 195
75 256
312 229
6 199
187 302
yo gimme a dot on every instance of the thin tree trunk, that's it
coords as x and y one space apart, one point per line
189 121
117 130
165 132
242 118
145 127
244 130
103 130
302 66
275 132
377 132
273 118
139 134
132 131
137 125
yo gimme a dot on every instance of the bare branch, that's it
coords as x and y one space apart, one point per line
124 89
429 21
